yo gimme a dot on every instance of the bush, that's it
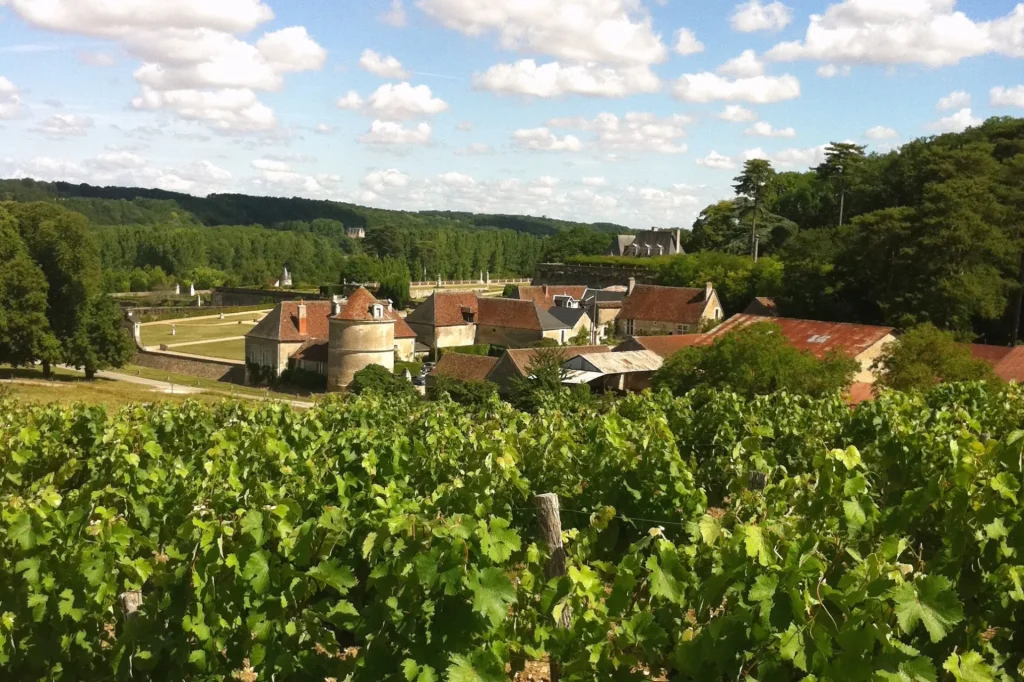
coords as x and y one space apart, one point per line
925 356
479 349
377 379
413 367
463 392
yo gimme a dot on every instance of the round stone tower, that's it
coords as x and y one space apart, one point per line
362 333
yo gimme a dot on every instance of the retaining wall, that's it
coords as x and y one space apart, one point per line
594 276
202 368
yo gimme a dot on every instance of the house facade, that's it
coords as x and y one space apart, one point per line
648 244
655 310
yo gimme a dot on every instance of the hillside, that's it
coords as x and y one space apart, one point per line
136 205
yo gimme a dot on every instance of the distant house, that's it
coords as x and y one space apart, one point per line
763 306
648 244
601 305
462 367
1007 363
550 295
515 363
355 233
653 310
664 346
626 371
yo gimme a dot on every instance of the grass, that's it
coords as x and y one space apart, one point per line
210 384
230 350
198 330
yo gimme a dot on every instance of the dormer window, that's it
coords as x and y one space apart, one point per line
468 315
377 311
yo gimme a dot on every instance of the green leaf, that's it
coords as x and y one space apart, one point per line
855 517
368 544
257 571
20 530
996 530
1006 485
51 497
663 583
929 600
850 457
764 588
710 529
970 667
753 539
498 542
153 448
410 669
792 648
463 669
492 594
252 525
333 574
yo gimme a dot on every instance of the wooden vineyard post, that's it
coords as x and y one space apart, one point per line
550 522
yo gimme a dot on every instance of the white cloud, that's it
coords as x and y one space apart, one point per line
753 16
954 100
396 102
607 31
323 129
717 161
459 180
929 32
709 87
1000 96
99 59
395 14
881 133
734 113
831 70
746 65
61 126
378 181
687 43
635 132
765 129
10 100
595 181
955 123
206 173
553 79
271 165
390 134
190 51
118 160
542 139
475 149
385 67
290 182
464 126
789 158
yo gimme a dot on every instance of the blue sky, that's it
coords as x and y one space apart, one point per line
630 111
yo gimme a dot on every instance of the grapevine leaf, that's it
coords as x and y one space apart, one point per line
855 517
791 646
492 594
929 600
427 674
333 574
850 457
1006 485
368 544
20 530
755 544
257 571
463 669
710 529
499 542
970 667
663 583
996 530
410 669
252 525
764 588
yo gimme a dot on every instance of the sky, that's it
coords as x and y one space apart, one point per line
638 112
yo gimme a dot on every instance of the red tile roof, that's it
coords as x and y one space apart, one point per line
544 296
358 308
282 323
817 337
1011 367
993 355
860 392
522 358
463 367
675 305
444 309
665 346
402 330
510 312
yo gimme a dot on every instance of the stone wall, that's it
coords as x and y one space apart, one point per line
594 276
228 296
217 370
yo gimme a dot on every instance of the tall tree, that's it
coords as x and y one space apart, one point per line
25 336
924 356
755 184
101 341
841 160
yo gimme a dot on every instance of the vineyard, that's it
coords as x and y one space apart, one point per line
708 538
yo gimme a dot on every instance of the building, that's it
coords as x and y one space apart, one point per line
622 372
462 367
360 335
296 333
515 363
648 244
763 306
601 305
664 346
451 320
1007 362
864 343
355 232
654 310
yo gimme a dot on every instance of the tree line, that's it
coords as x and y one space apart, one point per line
52 310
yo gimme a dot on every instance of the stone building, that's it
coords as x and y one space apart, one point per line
361 334
654 310
648 244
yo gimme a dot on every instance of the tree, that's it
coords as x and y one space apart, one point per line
755 184
395 287
543 379
755 360
377 379
841 160
358 270
925 356
472 393
25 336
101 341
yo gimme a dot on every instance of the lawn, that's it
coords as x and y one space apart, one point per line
197 330
230 350
211 385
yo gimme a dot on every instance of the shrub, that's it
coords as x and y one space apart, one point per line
377 379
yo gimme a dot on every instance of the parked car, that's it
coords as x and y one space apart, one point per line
421 379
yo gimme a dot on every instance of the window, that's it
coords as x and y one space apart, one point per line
629 327
718 313
682 328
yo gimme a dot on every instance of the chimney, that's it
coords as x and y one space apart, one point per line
335 307
679 240
391 306
709 289
545 290
631 286
303 326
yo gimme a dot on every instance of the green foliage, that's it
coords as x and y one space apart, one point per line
755 360
463 392
25 336
395 288
376 379
102 341
925 356
478 349
543 380
736 278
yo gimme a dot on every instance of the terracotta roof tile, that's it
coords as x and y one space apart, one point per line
544 296
1011 367
464 367
522 357
860 392
676 305
282 323
665 346
444 309
812 335
359 307
516 314
990 354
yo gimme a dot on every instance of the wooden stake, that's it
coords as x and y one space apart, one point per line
550 522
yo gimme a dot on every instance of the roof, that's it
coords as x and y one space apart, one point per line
665 346
817 337
312 351
523 357
358 307
660 243
1010 367
444 309
570 317
544 295
664 304
622 241
402 330
282 323
578 376
860 392
623 362
764 306
990 354
516 314
463 367
605 296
